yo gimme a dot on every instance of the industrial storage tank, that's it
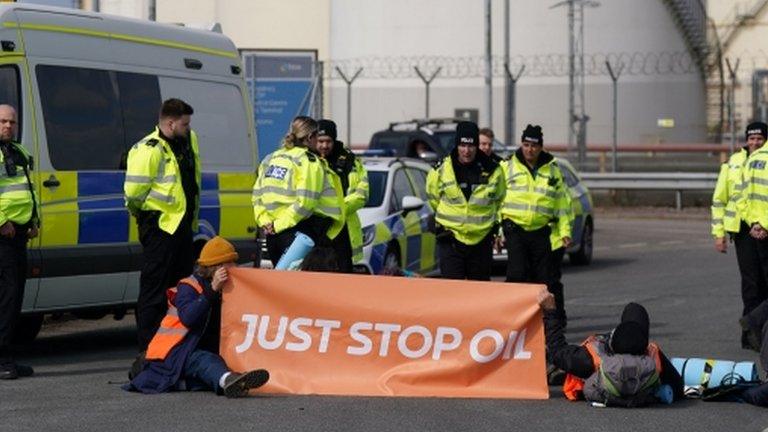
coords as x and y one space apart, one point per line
661 90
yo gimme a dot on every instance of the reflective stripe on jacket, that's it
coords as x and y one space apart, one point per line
172 331
16 203
355 199
533 202
727 194
469 220
153 181
754 203
288 188
331 202
574 386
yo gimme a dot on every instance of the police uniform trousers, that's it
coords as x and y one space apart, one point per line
167 258
462 261
556 285
13 277
529 254
752 257
343 248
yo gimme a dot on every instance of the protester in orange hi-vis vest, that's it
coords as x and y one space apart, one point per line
173 359
618 368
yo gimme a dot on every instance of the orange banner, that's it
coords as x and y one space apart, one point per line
339 334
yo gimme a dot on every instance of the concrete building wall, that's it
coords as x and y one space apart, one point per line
262 24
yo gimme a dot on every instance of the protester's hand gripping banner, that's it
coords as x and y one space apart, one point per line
339 334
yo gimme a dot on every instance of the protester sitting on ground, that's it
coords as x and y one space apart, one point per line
173 359
320 259
626 348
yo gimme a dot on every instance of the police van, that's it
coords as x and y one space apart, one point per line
87 87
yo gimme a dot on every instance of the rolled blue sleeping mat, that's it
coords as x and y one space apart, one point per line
712 373
300 247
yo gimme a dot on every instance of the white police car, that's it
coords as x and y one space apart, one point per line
398 224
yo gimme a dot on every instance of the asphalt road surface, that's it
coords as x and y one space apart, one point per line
669 265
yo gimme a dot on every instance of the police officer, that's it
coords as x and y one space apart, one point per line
536 197
465 190
557 241
354 183
727 218
162 191
296 192
486 144
18 224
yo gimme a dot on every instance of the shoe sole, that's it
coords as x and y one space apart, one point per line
247 381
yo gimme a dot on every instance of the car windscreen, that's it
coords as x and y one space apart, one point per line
395 143
446 140
377 183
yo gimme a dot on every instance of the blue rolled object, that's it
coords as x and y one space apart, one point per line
709 373
296 252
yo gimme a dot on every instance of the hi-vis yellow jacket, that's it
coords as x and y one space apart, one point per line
16 202
754 203
727 195
292 185
355 199
469 220
153 181
532 202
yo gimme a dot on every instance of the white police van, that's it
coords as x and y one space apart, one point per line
88 86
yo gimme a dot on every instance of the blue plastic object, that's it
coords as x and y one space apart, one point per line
300 247
665 394
710 373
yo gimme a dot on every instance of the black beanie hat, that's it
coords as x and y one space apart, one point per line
326 128
533 134
757 128
629 338
637 313
467 133
631 335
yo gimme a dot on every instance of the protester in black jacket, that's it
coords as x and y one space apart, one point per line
631 335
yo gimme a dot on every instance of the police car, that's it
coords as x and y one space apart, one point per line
583 228
398 223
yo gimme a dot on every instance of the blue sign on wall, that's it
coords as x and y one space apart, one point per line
280 86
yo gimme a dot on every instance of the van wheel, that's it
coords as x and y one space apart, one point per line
27 328
584 255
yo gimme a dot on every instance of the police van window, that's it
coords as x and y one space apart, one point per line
140 102
9 91
419 179
377 183
401 187
82 117
395 143
220 121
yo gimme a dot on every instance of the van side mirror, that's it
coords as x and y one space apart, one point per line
428 156
411 203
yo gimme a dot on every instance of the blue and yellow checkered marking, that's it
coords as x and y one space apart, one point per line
416 242
102 214
88 208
